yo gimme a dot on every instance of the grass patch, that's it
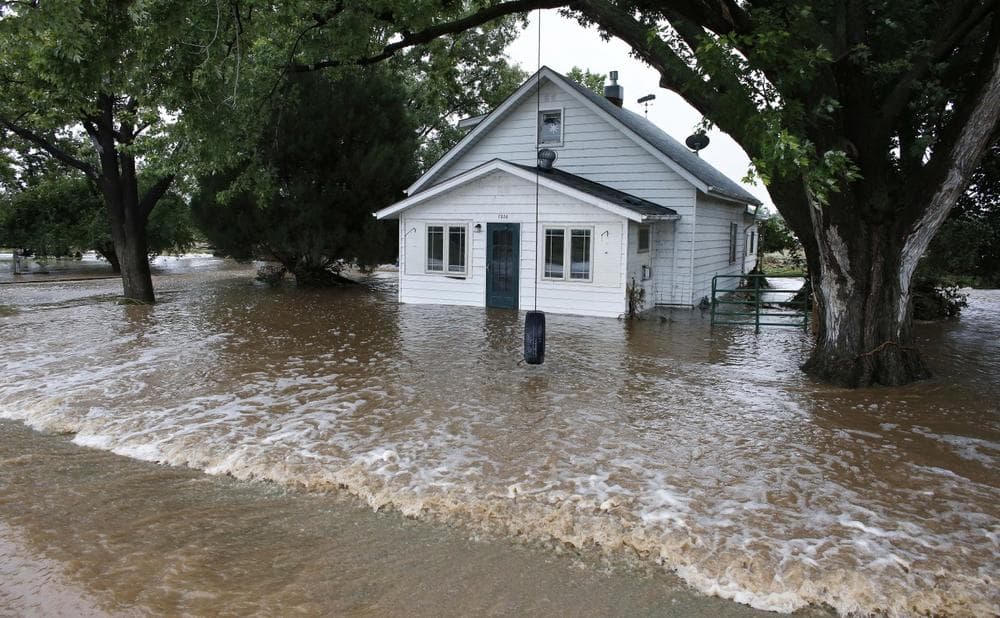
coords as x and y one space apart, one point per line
786 270
787 263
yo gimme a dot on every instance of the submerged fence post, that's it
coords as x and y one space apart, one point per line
756 297
713 300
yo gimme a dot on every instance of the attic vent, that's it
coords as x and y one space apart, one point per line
546 158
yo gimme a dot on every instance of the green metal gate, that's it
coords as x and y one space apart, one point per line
747 300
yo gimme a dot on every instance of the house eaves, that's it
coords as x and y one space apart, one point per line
471 122
604 197
649 211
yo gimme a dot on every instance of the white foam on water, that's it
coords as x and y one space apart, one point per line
719 473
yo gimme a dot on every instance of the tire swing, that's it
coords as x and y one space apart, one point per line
534 337
534 321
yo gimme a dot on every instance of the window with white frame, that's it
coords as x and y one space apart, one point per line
733 230
550 127
568 254
446 249
642 245
751 243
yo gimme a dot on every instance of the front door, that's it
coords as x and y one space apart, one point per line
502 241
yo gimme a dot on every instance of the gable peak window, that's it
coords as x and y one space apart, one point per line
550 127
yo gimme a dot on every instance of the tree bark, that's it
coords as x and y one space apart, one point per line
864 331
133 254
107 251
127 212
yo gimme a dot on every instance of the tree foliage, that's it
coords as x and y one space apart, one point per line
865 120
118 72
967 249
60 213
167 87
593 81
331 153
776 237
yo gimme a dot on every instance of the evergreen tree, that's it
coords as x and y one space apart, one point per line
333 152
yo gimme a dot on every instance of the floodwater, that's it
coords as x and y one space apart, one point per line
638 453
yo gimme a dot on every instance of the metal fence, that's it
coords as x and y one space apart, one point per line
748 300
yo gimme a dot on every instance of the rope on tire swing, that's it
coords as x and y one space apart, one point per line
534 320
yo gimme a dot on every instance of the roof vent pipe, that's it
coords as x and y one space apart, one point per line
613 92
546 158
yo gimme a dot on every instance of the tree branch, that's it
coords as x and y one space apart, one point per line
50 147
153 195
970 133
719 16
675 74
949 36
974 111
410 39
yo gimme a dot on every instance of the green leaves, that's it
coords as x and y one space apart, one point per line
330 153
593 81
790 155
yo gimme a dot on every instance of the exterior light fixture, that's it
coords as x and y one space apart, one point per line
479 227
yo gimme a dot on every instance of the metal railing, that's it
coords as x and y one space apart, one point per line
753 302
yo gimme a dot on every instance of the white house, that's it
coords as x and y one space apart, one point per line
624 204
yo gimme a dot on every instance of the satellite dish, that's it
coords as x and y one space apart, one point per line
697 142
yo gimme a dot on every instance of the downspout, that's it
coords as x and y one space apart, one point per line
402 257
694 229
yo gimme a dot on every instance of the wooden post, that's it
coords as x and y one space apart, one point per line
756 300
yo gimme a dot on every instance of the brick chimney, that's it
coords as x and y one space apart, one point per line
613 92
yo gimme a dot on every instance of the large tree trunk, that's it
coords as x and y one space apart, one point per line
864 330
133 255
128 233
127 212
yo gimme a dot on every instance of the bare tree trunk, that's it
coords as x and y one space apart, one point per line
133 256
127 213
864 332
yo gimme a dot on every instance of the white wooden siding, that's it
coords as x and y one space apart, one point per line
591 148
503 198
749 259
598 151
711 243
637 260
668 288
684 255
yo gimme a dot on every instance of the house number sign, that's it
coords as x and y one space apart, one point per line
502 216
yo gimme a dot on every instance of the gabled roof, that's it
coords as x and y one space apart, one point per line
595 194
648 210
717 182
675 155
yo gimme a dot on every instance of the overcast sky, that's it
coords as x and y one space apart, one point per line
566 44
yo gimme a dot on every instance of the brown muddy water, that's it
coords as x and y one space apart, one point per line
639 453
